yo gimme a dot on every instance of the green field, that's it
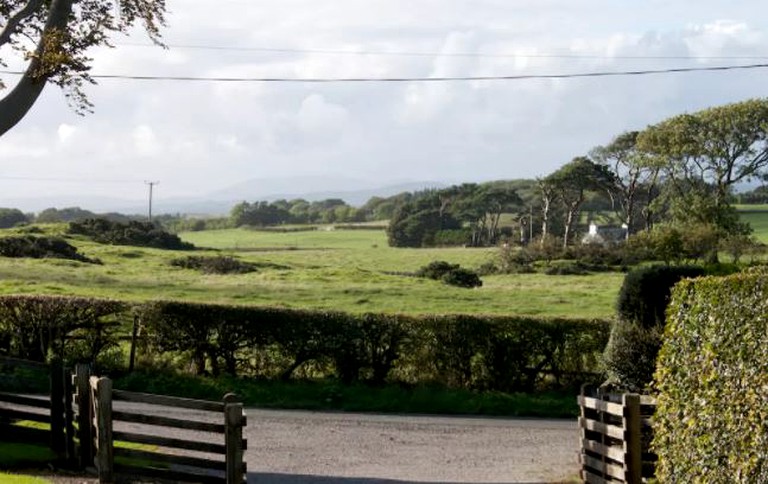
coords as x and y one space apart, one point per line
757 217
346 270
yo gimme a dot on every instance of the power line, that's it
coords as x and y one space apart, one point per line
285 50
520 77
68 180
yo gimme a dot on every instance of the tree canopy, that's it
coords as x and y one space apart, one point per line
53 38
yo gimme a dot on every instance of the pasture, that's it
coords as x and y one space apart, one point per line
345 270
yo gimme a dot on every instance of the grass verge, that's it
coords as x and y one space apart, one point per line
331 395
7 478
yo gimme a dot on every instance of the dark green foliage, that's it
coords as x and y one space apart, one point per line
41 248
630 356
140 234
73 328
710 423
645 293
474 352
10 217
214 264
451 274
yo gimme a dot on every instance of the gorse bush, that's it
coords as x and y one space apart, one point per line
140 234
36 247
710 423
214 264
451 274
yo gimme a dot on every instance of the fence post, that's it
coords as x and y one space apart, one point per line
633 452
69 418
233 423
84 416
58 438
104 453
134 335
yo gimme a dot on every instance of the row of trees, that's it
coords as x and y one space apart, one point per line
681 172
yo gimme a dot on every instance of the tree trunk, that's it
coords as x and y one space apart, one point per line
17 103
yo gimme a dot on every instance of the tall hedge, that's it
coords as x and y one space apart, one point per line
712 377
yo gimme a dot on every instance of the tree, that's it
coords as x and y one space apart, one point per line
54 37
10 217
572 181
636 174
718 147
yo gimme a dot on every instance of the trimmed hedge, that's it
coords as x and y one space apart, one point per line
457 351
712 416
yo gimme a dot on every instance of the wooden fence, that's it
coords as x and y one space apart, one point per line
49 416
615 437
149 455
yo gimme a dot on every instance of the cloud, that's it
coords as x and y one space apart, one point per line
197 136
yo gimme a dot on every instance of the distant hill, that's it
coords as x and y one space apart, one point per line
219 202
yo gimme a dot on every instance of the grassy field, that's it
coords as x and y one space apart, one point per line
351 270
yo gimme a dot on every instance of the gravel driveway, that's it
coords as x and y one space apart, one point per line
292 447
299 447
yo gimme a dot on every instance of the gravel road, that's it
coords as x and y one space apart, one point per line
299 447
287 447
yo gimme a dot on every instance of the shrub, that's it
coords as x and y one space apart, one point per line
710 423
214 264
567 269
140 234
72 328
41 248
630 356
451 274
645 293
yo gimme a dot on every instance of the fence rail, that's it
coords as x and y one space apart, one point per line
615 436
47 413
223 464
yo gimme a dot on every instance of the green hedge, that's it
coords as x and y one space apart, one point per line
456 351
74 328
462 351
712 416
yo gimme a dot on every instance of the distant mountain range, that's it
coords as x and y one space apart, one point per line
354 192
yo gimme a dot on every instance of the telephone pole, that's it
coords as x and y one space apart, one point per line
151 186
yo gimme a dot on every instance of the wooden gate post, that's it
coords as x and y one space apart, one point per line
233 423
58 436
104 452
633 452
84 416
69 418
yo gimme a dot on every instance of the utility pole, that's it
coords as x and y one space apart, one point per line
151 186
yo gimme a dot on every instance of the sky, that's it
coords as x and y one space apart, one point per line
196 138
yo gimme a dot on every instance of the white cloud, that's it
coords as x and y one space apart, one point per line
202 136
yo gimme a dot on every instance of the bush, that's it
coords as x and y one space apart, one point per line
73 328
41 248
214 264
140 234
645 293
710 423
630 356
451 274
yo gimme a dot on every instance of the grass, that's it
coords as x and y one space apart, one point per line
7 478
352 271
331 395
19 456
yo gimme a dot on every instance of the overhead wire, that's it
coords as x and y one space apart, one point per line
518 77
286 50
